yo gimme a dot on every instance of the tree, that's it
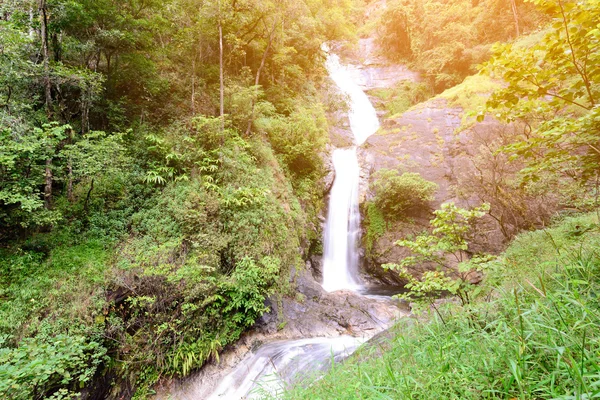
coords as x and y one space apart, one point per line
447 249
23 161
553 91
445 40
94 156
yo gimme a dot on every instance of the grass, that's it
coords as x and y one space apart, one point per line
60 291
531 334
472 93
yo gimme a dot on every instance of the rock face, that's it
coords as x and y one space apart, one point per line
311 313
371 71
424 140
428 139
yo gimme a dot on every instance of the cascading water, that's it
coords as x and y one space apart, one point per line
362 114
340 261
342 230
279 365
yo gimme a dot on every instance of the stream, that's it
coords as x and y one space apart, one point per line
277 366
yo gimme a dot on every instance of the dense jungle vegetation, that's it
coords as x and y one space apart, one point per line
160 176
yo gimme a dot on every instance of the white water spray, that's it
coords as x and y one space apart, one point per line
342 230
279 365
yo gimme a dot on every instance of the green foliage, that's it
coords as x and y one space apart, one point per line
219 319
553 90
202 257
530 335
43 365
95 155
446 40
22 161
452 229
399 99
375 224
397 194
58 293
298 138
472 93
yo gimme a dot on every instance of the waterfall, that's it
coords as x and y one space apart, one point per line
342 229
362 114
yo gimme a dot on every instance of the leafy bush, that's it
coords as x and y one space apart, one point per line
298 138
446 248
396 194
400 98
47 366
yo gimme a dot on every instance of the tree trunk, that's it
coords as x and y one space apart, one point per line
48 93
513 6
257 80
48 185
45 55
70 182
31 28
87 198
194 85
221 78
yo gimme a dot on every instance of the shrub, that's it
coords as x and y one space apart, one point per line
396 194
406 94
447 248
48 366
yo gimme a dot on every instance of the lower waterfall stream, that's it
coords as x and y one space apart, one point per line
278 365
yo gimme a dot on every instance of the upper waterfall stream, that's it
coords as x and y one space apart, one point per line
342 230
362 114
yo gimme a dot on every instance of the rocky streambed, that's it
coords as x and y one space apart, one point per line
313 313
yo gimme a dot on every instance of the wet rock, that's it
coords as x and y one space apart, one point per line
312 312
267 323
316 267
307 285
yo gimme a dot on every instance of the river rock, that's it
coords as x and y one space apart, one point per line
371 70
